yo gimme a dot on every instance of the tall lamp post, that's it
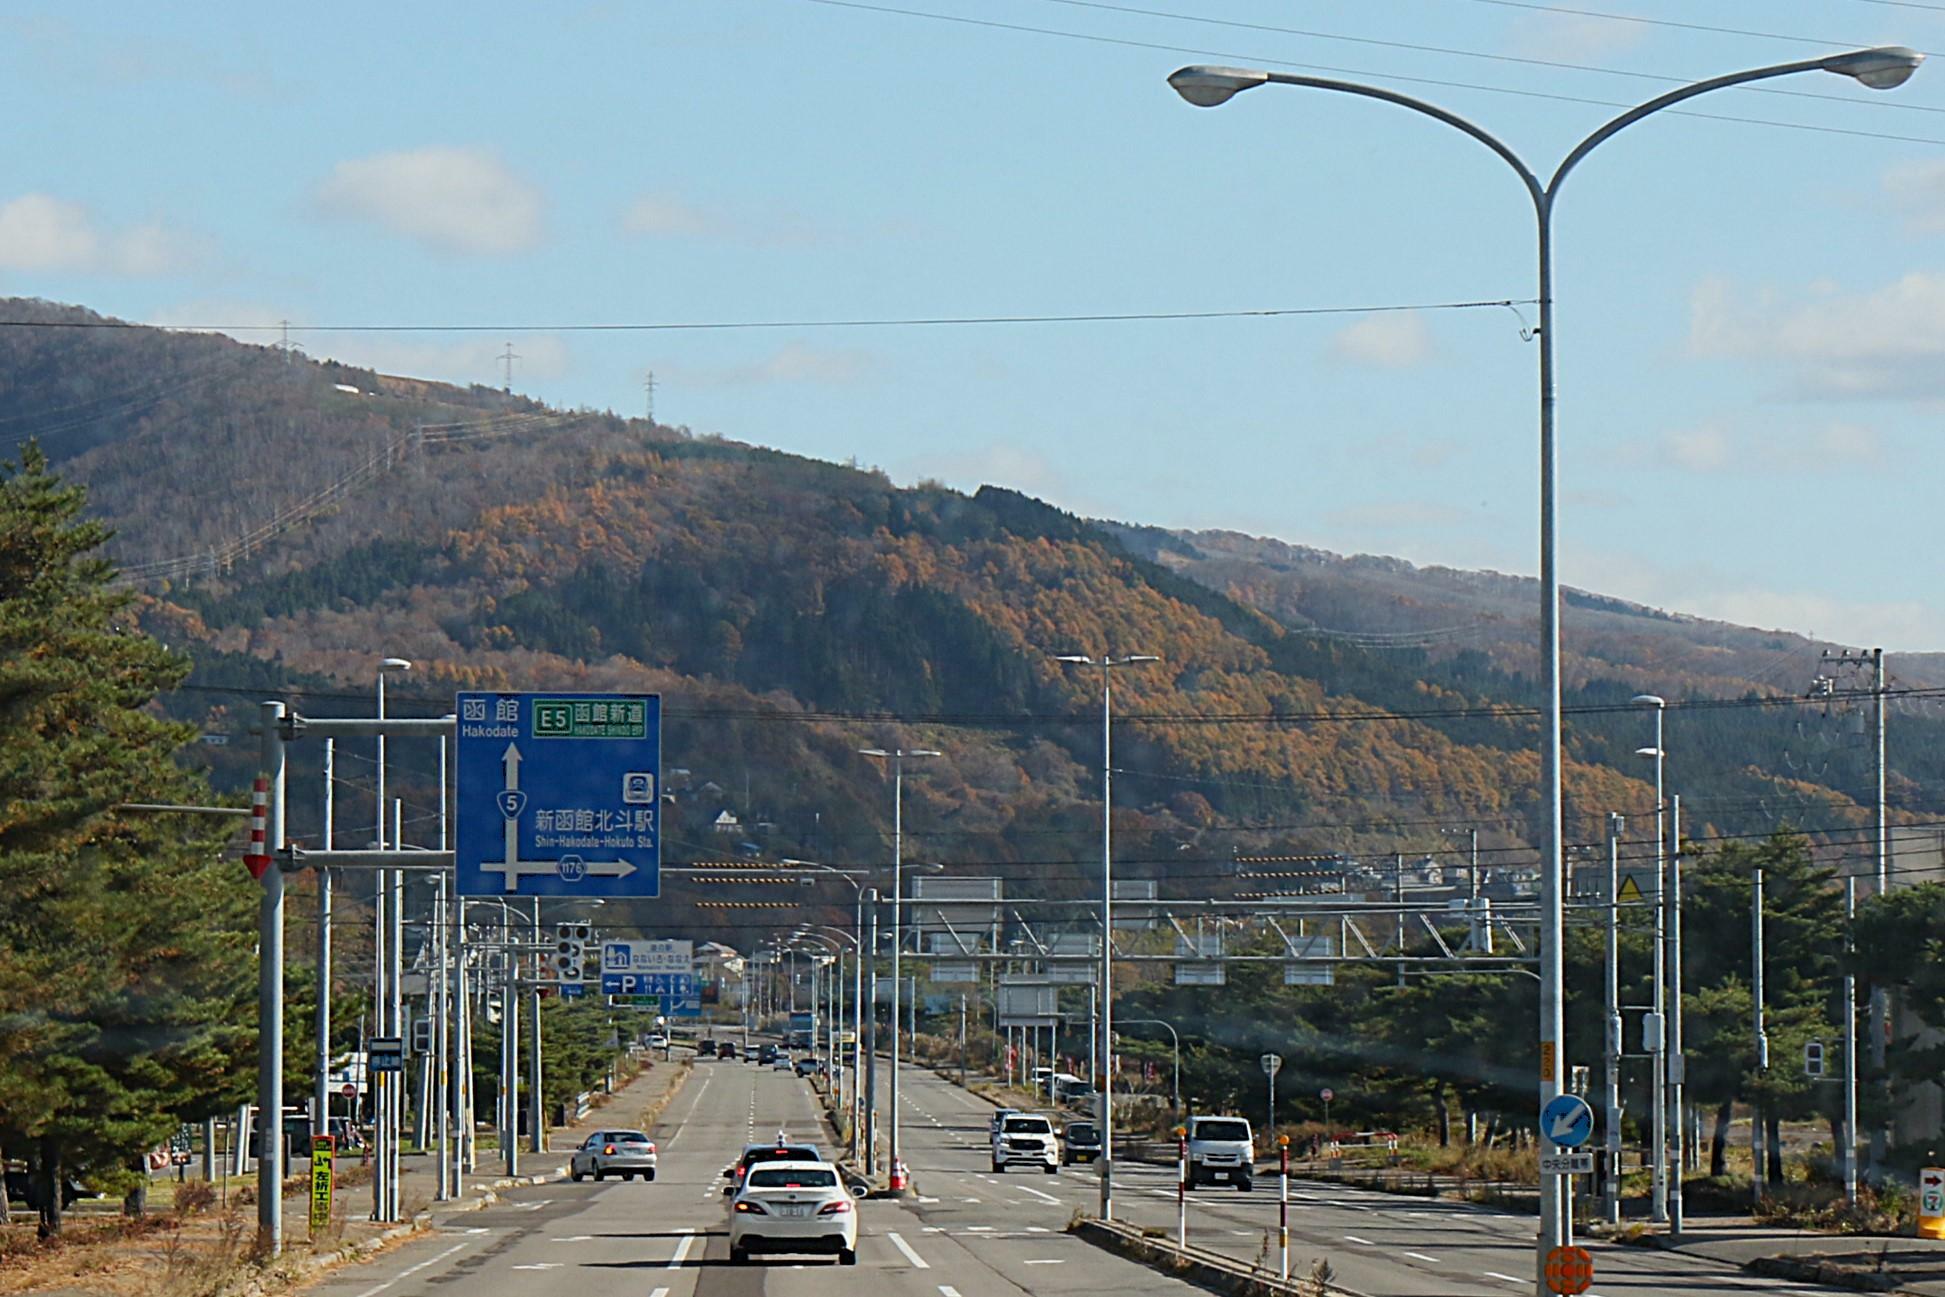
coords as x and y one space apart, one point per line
1658 1182
1175 1089
388 971
1882 68
897 757
1104 1098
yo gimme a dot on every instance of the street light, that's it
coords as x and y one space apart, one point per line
1175 1090
1658 1181
1882 68
1104 1098
388 977
897 758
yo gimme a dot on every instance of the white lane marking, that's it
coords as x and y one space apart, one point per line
1037 1229
659 1292
406 1274
969 1200
1043 1197
1422 1257
575 1238
537 1265
681 1250
1504 1278
979 1229
1043 1262
947 1290
1352 1238
479 1229
918 1262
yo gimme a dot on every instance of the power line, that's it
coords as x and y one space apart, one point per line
1456 52
1638 20
883 322
1232 57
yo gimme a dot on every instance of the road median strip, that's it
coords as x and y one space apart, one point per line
1205 1269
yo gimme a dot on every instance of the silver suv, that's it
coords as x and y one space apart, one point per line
1023 1137
1221 1148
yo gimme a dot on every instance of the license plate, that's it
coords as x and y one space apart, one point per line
796 1209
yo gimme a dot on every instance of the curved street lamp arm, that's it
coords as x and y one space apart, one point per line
1673 97
1452 119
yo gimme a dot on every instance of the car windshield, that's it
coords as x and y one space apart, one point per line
1080 1130
628 1137
1232 1130
1027 1126
793 1177
787 1153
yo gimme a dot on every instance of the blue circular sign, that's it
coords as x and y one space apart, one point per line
1567 1121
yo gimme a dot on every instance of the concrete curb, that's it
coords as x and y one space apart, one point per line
1205 1269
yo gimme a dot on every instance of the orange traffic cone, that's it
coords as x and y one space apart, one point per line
900 1179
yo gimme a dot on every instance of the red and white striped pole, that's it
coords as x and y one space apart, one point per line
257 856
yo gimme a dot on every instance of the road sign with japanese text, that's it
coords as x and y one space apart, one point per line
559 794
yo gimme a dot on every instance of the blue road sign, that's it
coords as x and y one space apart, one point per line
558 794
572 990
679 985
1567 1120
681 1007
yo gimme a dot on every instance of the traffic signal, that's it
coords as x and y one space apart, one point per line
1813 1058
422 1036
570 950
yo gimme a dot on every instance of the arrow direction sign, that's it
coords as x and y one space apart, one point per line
551 794
1567 1121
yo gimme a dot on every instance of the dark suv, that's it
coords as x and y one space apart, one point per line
705 1049
1081 1142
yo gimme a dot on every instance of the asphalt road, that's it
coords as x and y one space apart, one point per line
668 1238
1378 1244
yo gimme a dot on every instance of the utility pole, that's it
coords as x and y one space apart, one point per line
321 1118
1848 1153
1611 986
1658 1184
1677 1061
1756 1177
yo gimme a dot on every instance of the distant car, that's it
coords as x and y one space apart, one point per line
726 1050
781 1063
657 1040
768 1054
626 1153
705 1049
781 1149
1025 1137
1081 1142
809 1065
793 1207
347 1134
999 1116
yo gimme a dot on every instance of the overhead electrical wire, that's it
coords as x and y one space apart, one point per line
1363 72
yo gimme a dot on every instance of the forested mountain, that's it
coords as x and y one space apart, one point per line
288 522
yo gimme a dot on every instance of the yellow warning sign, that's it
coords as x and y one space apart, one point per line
1630 890
1546 1060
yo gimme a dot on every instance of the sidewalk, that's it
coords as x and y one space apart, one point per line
1871 1264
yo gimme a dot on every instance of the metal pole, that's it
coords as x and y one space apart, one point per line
441 1042
270 995
1677 1060
395 991
1658 1184
871 1050
1880 998
1611 998
1106 1100
1756 1176
857 1028
1282 1205
897 891
321 1118
536 1131
1848 1153
380 1084
1181 1187
509 1048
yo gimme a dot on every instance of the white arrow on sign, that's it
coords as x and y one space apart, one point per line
569 868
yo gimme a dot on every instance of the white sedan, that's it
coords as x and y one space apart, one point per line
793 1207
626 1153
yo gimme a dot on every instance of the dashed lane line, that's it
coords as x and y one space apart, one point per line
1420 1256
918 1262
410 1271
682 1250
947 1290
1503 1278
1362 1242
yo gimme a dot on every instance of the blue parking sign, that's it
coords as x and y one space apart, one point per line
558 794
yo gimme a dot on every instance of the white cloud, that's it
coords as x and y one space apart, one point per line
39 232
654 215
1917 190
1397 341
454 200
1572 37
1885 342
1774 448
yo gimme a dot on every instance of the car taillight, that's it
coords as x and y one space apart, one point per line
610 1149
750 1208
649 1147
837 1208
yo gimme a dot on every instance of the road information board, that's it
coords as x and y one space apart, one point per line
558 794
323 1154
1931 1202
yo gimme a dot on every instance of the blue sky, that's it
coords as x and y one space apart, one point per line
1751 320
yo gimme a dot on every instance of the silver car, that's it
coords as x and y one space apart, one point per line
626 1153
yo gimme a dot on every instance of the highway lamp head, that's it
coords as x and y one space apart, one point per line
395 664
1648 700
1649 752
1210 87
1885 68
